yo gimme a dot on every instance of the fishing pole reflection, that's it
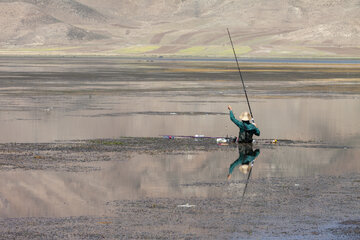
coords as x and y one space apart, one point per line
245 161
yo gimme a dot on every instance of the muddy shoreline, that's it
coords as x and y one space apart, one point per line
41 156
319 207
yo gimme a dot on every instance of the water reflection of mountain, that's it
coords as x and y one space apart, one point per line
182 174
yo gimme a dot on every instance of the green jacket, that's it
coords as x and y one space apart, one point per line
247 129
246 156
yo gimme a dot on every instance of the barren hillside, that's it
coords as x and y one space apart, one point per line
260 28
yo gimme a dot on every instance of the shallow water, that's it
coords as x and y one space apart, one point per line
188 175
315 107
49 99
197 174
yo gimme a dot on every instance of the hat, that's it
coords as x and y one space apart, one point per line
245 168
245 116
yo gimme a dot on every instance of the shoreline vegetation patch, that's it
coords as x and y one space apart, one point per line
141 49
213 51
161 51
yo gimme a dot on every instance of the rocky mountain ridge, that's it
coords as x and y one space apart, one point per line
260 28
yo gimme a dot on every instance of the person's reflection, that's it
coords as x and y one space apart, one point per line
245 160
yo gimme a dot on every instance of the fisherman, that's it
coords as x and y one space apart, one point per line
246 159
247 129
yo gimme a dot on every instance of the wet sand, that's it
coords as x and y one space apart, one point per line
81 156
151 188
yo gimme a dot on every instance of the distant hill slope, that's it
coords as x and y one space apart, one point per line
27 25
260 28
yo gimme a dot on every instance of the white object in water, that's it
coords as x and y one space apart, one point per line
221 140
187 205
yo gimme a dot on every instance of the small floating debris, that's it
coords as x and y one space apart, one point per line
187 205
221 140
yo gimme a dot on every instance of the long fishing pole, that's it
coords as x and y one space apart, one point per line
247 181
237 63
182 136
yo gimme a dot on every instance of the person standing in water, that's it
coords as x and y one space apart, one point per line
246 128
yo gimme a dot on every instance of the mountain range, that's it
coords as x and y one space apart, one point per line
259 28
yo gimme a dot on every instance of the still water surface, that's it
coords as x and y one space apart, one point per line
48 193
54 99
49 99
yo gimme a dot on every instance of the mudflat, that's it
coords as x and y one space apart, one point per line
91 150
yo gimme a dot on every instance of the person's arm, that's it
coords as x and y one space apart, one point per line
234 120
233 165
